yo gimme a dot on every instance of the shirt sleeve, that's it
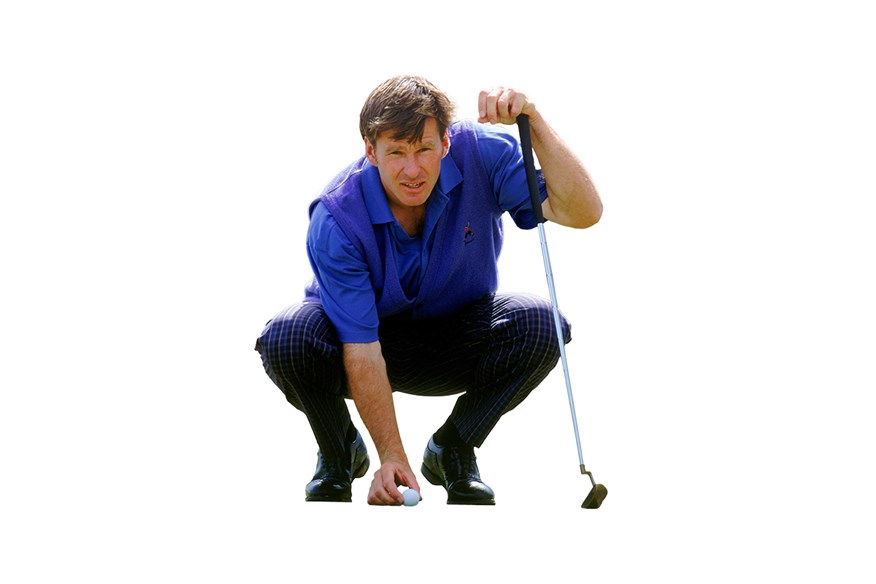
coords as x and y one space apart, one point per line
503 160
344 283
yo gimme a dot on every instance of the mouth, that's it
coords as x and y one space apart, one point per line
413 185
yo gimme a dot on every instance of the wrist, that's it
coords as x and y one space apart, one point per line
394 455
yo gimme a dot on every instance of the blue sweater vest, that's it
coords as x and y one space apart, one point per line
468 237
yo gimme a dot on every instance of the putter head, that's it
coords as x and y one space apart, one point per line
595 497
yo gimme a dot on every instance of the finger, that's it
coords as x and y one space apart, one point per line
390 475
394 496
409 479
503 106
496 103
517 103
378 495
482 106
515 108
490 109
383 490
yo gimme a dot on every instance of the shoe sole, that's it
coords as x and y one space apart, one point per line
327 499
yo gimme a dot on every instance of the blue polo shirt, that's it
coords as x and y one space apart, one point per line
340 270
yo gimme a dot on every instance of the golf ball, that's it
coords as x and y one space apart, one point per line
412 497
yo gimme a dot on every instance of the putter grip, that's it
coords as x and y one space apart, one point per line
529 164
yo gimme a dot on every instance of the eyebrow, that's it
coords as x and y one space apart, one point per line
396 144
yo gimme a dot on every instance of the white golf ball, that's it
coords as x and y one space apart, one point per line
412 497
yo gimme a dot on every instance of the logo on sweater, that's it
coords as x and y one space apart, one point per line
469 234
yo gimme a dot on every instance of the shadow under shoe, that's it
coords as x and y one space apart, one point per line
333 479
455 468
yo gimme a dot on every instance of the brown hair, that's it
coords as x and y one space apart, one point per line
402 105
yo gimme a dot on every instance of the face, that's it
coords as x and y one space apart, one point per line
409 170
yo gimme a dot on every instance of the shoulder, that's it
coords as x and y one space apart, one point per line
341 193
491 142
346 176
324 233
495 137
320 215
460 127
343 184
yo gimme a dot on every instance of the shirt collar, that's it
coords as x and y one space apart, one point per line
375 197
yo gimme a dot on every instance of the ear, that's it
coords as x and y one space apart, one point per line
369 152
445 143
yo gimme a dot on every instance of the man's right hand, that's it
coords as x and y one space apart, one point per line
387 479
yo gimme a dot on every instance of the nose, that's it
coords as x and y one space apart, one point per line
412 166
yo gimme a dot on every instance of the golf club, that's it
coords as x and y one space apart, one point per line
597 492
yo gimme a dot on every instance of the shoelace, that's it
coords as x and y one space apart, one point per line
334 467
461 462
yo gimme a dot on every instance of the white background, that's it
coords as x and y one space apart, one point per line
156 161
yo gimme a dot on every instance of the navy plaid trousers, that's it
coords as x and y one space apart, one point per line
494 352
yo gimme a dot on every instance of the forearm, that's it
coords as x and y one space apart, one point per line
572 197
372 394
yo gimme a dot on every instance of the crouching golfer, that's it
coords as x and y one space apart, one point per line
404 245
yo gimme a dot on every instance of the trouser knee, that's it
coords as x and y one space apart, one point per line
532 323
300 351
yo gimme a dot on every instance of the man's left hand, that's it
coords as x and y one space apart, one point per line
502 105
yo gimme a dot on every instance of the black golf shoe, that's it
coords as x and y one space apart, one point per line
455 468
333 478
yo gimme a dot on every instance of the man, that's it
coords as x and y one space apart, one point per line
404 246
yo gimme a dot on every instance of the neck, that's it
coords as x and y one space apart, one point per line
411 219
